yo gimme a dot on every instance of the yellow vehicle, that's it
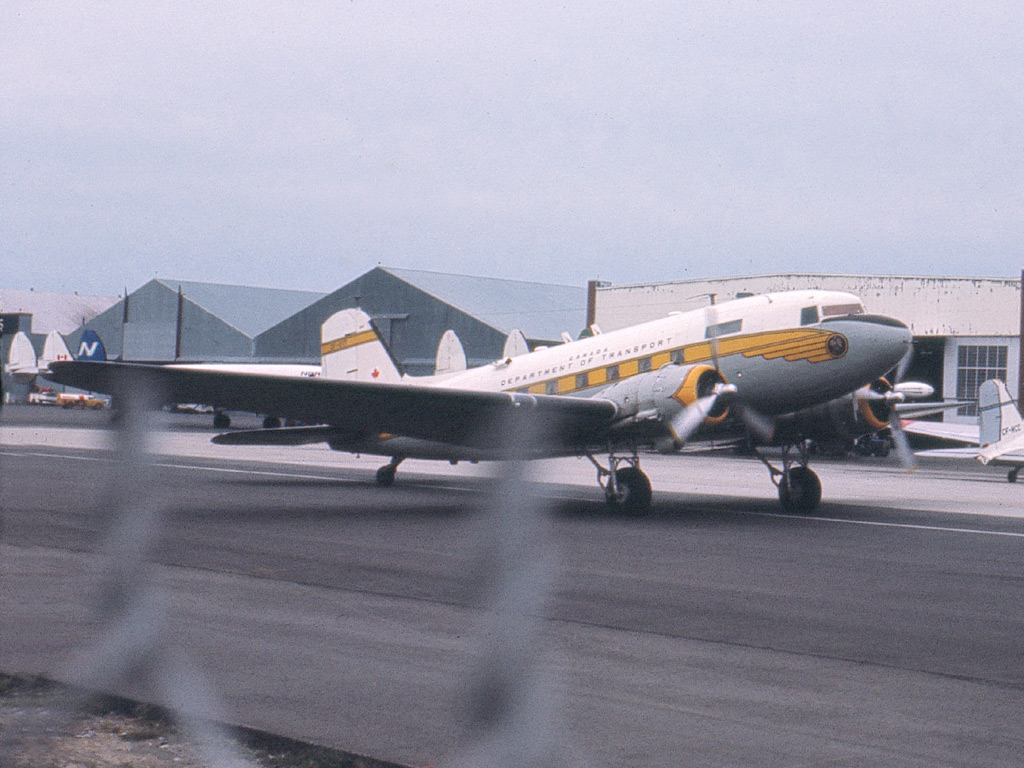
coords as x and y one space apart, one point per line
68 400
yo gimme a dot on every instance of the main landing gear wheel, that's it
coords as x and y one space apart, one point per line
1011 476
386 474
271 422
801 491
221 420
629 492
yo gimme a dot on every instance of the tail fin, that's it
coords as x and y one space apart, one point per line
515 345
54 349
352 348
21 359
998 418
91 347
451 357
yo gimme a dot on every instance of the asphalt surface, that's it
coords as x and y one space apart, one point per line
887 629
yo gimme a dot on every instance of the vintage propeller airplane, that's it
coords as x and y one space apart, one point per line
775 370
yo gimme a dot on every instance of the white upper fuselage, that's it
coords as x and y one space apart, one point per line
648 346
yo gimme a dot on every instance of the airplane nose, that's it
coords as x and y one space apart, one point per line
895 339
882 341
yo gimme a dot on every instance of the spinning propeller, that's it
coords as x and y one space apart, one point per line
892 396
722 395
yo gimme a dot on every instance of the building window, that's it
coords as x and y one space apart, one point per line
976 364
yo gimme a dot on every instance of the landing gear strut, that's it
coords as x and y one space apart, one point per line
386 474
626 488
799 488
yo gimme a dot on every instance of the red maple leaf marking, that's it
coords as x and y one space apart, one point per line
375 373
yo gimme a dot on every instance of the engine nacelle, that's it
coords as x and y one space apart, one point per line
845 418
661 394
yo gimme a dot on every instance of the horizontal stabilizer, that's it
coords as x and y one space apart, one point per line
281 436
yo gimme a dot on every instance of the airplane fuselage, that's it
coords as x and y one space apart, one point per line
759 343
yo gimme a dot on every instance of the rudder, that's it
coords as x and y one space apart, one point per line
998 417
352 348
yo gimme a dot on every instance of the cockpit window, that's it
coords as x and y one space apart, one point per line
834 310
723 329
808 316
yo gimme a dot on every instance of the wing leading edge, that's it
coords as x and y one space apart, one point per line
356 409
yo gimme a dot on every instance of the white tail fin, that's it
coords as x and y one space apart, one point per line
515 345
1000 427
53 350
451 357
21 360
351 348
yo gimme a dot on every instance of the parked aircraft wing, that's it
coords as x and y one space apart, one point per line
960 433
918 410
356 408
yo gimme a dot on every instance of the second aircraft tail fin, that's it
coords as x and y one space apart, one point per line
352 348
999 421
91 347
54 350
21 358
451 357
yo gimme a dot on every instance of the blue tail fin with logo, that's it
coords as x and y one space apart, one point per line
91 347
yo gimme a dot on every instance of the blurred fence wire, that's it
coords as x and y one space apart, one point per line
132 648
514 710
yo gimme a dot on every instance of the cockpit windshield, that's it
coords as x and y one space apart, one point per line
835 310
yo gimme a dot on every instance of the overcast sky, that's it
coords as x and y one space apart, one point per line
298 145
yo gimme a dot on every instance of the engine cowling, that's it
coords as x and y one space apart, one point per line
660 395
845 418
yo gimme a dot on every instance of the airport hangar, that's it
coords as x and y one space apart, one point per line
36 313
183 321
966 329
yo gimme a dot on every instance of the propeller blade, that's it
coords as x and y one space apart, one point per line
761 426
711 323
903 450
686 422
904 364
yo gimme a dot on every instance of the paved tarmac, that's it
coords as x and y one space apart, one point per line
886 629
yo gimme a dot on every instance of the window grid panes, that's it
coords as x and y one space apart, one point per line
976 364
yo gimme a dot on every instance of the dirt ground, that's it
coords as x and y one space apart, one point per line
37 731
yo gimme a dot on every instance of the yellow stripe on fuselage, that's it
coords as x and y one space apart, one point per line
347 342
810 344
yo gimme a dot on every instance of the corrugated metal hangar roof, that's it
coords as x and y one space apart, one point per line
541 310
61 312
249 309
